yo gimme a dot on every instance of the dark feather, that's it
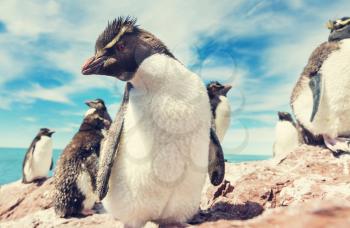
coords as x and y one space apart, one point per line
83 149
28 157
113 28
216 167
111 147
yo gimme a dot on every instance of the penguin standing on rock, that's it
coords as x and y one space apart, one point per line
220 107
286 136
75 174
155 159
320 99
38 160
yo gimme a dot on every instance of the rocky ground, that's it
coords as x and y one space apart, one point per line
309 188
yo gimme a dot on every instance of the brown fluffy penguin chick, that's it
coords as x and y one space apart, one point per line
75 175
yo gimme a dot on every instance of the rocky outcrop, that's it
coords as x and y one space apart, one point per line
314 213
307 174
18 200
310 187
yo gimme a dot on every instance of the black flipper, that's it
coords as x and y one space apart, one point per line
216 168
315 85
110 147
51 166
28 157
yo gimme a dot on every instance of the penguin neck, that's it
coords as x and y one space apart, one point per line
44 144
89 111
155 72
214 102
88 127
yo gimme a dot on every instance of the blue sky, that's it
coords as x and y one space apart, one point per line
260 47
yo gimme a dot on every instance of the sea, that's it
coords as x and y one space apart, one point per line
11 162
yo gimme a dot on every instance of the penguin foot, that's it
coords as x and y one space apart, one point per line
87 212
98 208
40 181
338 146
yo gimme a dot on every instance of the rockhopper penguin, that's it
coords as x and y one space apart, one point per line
320 99
155 159
220 107
38 160
76 171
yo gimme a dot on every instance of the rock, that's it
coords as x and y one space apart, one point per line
312 214
310 187
47 218
18 200
307 173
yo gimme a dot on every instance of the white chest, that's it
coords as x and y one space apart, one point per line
334 108
165 128
164 148
286 138
223 117
40 163
89 112
43 149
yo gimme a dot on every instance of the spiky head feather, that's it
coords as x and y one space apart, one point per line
114 30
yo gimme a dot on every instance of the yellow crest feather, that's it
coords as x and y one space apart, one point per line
116 38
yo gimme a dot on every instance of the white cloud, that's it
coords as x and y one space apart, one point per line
30 18
267 98
38 92
288 57
10 66
72 113
296 4
181 25
224 74
69 127
29 119
5 103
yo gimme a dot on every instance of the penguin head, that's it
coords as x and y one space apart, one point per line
45 132
215 89
97 104
121 48
285 116
97 116
340 29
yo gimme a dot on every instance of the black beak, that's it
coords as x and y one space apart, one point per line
226 89
284 116
51 132
93 65
89 103
340 34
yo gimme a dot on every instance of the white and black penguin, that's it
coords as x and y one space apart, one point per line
76 171
320 99
220 107
154 162
38 160
286 136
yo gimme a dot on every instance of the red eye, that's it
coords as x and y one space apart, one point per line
120 47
